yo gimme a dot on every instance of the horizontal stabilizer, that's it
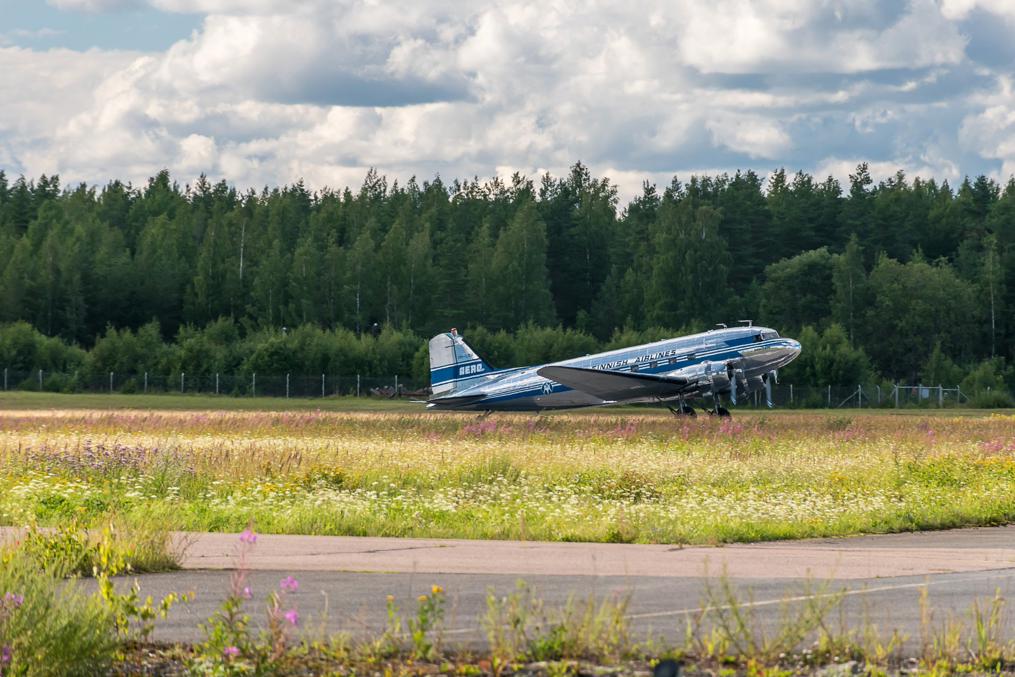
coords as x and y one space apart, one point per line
456 401
615 385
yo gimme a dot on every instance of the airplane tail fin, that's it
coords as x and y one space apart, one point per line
454 366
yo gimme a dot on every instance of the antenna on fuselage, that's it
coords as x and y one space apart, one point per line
747 323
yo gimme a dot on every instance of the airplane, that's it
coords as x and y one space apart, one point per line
733 362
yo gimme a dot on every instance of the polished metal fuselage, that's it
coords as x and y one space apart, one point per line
756 351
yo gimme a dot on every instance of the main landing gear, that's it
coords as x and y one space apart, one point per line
718 409
682 409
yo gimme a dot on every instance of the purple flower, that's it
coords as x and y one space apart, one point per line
5 655
292 616
248 536
14 600
289 584
247 594
230 652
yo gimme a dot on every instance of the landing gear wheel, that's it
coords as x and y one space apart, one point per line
722 412
688 410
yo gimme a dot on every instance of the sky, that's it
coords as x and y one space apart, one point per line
266 92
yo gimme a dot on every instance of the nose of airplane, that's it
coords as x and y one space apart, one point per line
785 352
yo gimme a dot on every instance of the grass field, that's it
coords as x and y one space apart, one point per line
612 476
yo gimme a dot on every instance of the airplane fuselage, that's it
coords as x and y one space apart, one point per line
711 364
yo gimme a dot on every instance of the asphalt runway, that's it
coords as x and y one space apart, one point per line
344 582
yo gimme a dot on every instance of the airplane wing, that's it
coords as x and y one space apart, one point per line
614 385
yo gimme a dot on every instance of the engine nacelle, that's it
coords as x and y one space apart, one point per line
713 376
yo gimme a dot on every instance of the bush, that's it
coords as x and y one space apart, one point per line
48 626
992 399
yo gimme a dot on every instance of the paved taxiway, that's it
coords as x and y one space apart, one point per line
344 581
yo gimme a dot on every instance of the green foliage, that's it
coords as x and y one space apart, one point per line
901 264
427 626
48 625
799 290
828 358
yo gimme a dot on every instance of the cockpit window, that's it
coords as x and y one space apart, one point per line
766 335
757 338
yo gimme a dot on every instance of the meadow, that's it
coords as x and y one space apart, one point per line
629 476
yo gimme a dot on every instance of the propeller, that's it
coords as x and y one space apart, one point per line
737 380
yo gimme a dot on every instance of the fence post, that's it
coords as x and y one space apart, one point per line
216 383
146 381
357 385
396 385
253 384
110 383
878 388
322 385
287 386
859 396
181 381
791 393
5 378
40 379
829 397
958 395
940 396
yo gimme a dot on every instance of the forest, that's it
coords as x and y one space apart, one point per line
902 279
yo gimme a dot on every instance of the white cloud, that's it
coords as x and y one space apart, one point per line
94 5
269 91
753 135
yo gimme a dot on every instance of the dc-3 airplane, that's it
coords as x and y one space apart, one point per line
733 362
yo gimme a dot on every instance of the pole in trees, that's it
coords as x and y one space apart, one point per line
357 385
181 381
40 379
287 386
110 383
5 378
253 384
322 385
146 381
216 383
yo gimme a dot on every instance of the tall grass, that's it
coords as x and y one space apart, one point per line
630 477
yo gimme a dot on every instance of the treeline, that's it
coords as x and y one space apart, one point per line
901 279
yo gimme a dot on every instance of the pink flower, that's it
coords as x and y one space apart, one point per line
289 584
230 652
248 537
13 599
247 594
5 655
292 616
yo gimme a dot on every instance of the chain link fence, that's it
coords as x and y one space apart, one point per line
243 385
786 396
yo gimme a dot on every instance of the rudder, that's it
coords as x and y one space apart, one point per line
454 366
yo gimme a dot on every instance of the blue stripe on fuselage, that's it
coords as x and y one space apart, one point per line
725 352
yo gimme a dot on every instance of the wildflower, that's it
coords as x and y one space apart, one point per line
289 584
5 655
436 589
391 599
247 594
13 600
230 652
248 536
422 598
292 616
